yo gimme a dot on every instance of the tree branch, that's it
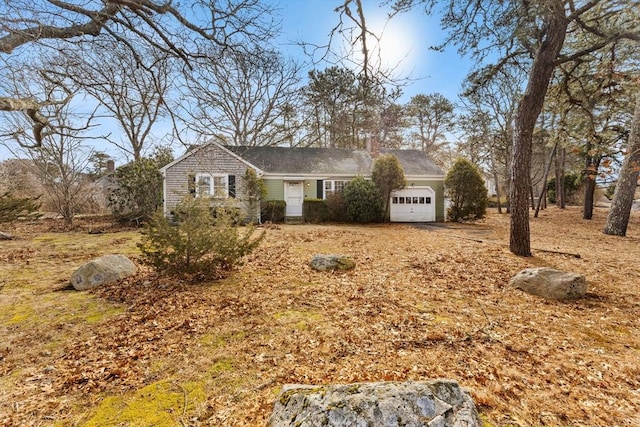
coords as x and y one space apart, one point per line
98 20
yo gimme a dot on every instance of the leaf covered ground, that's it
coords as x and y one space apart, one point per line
422 303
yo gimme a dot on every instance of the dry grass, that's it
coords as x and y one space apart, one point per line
421 304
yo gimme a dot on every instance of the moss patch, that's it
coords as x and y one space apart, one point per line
300 320
220 340
160 404
19 314
222 365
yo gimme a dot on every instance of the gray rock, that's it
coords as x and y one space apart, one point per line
6 236
438 403
106 269
332 262
550 283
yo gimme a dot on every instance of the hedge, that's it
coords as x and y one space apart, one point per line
273 210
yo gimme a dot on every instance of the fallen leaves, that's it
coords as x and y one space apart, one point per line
421 304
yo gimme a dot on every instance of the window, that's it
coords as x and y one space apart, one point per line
212 185
332 187
428 200
203 185
395 201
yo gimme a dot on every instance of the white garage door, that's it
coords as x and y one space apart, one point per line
415 204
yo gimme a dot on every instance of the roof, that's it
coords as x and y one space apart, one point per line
194 149
330 161
415 162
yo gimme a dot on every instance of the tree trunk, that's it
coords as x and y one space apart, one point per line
526 117
533 199
589 188
560 160
618 218
543 193
496 180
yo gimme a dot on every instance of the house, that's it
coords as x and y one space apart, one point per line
296 174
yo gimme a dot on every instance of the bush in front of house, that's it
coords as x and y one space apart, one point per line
255 190
388 176
229 211
336 207
315 211
273 210
466 190
363 200
139 188
194 244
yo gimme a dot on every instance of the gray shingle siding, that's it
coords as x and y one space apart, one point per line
207 159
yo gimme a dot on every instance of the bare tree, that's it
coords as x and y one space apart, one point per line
243 98
132 93
60 162
183 31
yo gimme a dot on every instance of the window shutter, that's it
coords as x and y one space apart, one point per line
319 189
191 184
232 186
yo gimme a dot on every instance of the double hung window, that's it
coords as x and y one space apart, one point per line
212 185
333 187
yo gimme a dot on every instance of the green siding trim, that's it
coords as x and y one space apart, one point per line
438 187
310 189
275 189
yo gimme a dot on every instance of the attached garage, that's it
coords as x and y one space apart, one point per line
413 204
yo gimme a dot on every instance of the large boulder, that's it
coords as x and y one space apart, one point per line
106 269
6 236
550 283
331 262
438 403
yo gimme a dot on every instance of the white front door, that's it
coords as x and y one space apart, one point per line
294 195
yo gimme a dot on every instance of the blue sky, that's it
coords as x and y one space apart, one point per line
405 44
406 38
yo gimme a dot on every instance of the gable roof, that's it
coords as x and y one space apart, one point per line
194 150
330 161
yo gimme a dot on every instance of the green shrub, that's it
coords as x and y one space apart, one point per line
363 200
254 191
233 213
315 211
12 208
139 192
466 191
336 207
572 182
388 176
273 210
195 244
